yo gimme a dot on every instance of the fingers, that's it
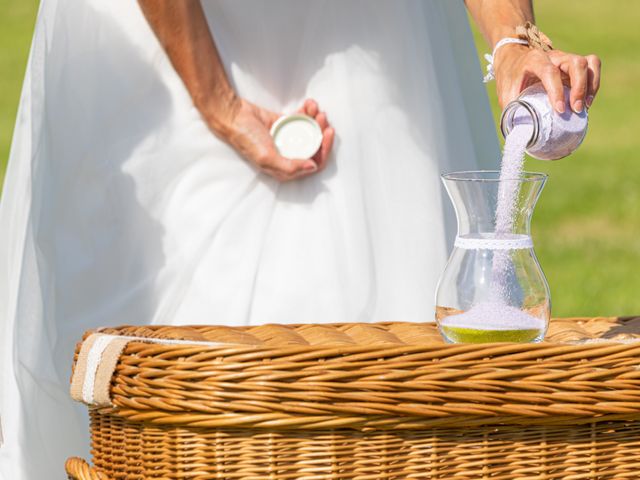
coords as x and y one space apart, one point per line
578 76
328 133
593 77
321 118
286 169
575 69
549 75
584 77
322 156
311 107
582 74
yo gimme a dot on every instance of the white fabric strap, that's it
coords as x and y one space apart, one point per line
512 242
491 74
102 342
93 360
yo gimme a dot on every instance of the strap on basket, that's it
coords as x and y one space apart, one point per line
97 361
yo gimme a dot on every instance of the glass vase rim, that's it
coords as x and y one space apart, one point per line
492 176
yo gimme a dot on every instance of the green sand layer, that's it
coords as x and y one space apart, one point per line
474 335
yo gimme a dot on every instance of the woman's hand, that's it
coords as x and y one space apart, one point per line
247 130
518 66
183 31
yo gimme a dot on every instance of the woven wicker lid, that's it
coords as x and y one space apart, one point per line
375 376
561 330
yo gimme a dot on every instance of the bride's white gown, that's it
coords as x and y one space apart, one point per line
120 207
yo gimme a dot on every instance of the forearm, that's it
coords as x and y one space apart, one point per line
182 29
498 18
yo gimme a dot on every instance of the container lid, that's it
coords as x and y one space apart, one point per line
297 136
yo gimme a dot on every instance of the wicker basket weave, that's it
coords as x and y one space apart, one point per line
371 402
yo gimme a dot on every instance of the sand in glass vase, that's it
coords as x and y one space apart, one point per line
493 289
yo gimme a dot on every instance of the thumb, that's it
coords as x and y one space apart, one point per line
293 167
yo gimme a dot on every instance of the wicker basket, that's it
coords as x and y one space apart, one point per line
370 402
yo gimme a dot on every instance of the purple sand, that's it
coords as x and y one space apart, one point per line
510 174
507 202
496 313
494 316
560 133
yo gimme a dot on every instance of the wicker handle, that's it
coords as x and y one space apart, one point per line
78 469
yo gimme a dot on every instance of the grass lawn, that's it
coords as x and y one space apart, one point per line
16 27
587 224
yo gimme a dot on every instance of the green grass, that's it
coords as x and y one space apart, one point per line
16 27
587 224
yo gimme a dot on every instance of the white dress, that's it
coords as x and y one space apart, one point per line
120 207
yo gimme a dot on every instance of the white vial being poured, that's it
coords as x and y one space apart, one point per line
553 135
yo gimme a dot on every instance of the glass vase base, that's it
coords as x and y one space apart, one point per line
491 323
476 335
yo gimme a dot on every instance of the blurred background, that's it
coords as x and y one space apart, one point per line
587 224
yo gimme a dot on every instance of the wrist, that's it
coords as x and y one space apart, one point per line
219 111
507 52
501 32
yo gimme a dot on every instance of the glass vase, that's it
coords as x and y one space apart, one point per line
493 288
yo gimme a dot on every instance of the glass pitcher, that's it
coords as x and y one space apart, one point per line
492 288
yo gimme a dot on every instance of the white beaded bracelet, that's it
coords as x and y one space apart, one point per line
491 74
